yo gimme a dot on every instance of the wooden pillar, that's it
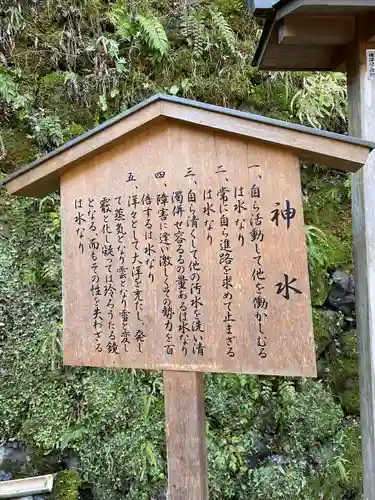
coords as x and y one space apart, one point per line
361 97
185 434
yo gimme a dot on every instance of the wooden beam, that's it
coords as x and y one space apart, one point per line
338 58
334 7
361 96
363 211
316 30
369 35
185 435
260 7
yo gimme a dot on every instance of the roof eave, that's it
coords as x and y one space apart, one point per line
42 176
264 39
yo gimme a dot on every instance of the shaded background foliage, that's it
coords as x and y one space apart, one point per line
66 67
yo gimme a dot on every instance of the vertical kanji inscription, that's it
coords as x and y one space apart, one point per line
196 287
259 276
225 261
195 264
109 283
182 280
165 262
96 290
80 223
122 272
137 270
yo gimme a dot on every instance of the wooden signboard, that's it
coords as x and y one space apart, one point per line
184 249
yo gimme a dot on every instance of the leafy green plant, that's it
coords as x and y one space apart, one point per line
8 89
10 93
316 239
225 32
122 22
322 98
153 33
143 26
193 29
48 132
12 22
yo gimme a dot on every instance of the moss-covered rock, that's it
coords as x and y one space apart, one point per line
52 89
66 56
327 325
328 224
344 374
53 96
319 286
18 148
66 485
341 476
327 212
352 456
72 131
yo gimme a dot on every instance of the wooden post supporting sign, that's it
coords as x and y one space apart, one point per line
186 435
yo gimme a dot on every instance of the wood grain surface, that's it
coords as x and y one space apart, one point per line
361 100
186 436
184 249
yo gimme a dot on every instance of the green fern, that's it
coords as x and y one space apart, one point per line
193 30
9 93
223 29
120 19
8 89
316 243
153 33
321 100
47 131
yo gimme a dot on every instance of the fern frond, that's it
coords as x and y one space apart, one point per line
193 30
153 33
8 88
223 29
9 92
47 131
120 19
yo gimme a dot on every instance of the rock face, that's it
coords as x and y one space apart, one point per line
342 296
16 461
161 496
14 457
5 476
336 341
68 81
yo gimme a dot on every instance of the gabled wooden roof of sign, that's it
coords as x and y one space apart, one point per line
310 34
338 151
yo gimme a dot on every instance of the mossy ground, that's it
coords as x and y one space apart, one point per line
66 486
